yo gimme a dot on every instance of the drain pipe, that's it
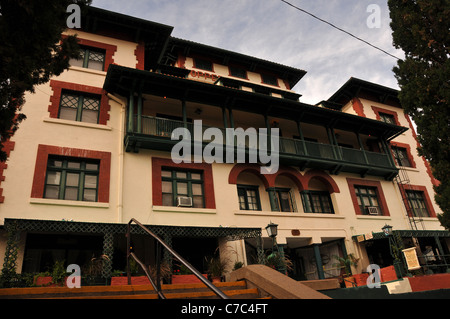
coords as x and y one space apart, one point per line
120 157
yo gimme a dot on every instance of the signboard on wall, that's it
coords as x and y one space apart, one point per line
411 258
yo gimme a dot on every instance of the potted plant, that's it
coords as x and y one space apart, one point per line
92 271
345 265
55 277
216 268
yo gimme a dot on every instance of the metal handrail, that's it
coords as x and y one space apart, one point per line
157 286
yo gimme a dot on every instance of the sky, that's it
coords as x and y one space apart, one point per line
274 31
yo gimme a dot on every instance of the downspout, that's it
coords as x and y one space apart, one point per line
121 156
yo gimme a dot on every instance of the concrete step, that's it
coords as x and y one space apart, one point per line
177 291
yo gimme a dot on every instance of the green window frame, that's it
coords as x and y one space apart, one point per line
72 179
401 156
249 197
367 197
282 200
80 107
182 183
90 58
417 203
317 202
387 118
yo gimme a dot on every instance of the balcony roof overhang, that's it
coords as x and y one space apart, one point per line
355 87
123 80
290 74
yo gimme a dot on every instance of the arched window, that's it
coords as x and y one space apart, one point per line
317 199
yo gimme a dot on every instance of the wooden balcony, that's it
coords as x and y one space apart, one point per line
155 133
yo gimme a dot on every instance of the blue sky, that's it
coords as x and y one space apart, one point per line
273 30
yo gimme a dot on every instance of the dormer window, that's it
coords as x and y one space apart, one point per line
203 64
269 79
238 72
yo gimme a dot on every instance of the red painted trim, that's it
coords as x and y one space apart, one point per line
378 110
361 182
110 49
208 183
358 107
434 181
286 83
8 146
324 178
255 169
40 170
140 56
423 189
269 180
408 151
181 61
55 99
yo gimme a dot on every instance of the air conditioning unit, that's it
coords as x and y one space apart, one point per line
373 210
183 201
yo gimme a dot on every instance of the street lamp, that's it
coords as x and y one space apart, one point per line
272 230
387 229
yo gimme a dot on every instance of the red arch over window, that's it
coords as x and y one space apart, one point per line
324 178
249 168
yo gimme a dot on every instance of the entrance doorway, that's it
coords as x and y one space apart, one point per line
43 250
195 251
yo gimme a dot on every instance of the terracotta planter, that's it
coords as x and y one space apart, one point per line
186 279
348 282
361 279
47 281
135 280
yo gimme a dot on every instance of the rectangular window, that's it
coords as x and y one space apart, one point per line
248 197
317 202
72 179
368 202
401 156
79 107
387 118
182 188
269 79
90 58
203 64
416 200
282 200
238 72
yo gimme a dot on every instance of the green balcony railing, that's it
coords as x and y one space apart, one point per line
163 128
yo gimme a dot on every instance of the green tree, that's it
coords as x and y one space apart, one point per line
421 29
31 51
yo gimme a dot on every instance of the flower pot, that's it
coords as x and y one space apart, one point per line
186 279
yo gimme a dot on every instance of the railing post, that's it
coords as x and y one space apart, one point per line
361 146
128 253
158 265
